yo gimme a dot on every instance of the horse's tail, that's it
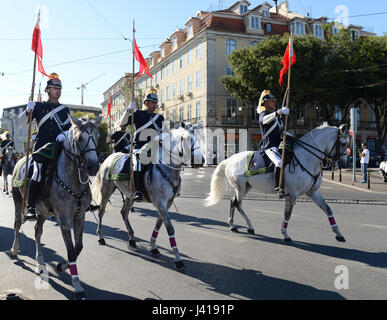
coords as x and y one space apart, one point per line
218 183
96 187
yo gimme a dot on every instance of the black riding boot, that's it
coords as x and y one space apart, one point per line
277 173
32 211
139 185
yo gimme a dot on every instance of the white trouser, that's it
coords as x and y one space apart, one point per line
37 173
274 156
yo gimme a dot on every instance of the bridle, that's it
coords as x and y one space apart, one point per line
323 157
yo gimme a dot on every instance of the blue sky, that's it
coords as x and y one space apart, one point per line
74 30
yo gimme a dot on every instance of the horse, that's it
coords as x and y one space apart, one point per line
69 195
162 183
9 161
301 176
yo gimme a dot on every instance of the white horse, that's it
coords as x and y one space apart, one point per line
162 183
301 176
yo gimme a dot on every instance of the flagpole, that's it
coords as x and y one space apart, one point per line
29 138
132 114
281 180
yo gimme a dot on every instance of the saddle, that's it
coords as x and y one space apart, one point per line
119 170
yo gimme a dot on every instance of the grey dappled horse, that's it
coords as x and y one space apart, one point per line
8 165
69 195
162 185
301 176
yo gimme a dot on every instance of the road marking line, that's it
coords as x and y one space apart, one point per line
356 188
374 226
213 233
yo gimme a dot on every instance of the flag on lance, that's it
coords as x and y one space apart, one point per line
288 59
37 46
141 61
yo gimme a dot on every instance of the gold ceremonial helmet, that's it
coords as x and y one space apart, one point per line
152 95
265 95
54 81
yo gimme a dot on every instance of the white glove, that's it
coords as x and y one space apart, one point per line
30 106
61 136
110 133
132 106
283 110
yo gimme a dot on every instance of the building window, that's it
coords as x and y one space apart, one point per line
161 75
300 114
189 56
255 23
162 52
167 115
229 71
174 115
174 43
354 34
181 61
167 70
189 83
335 30
189 113
174 90
243 9
174 64
373 119
265 12
318 31
268 27
198 79
162 95
182 86
338 113
231 109
168 93
181 113
190 31
230 46
298 28
198 50
197 114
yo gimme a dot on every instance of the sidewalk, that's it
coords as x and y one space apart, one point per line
376 180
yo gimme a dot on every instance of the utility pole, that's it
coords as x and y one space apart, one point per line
83 86
353 131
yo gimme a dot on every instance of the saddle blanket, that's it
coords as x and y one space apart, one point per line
119 169
258 163
18 182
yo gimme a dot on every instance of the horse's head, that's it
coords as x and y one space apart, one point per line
181 144
83 138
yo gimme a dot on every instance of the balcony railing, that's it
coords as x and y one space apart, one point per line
233 120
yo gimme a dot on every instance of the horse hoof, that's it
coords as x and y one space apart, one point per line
59 267
102 242
155 252
132 245
233 229
80 295
180 265
340 239
251 231
288 240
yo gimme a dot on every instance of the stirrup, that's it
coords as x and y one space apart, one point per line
31 213
139 196
281 192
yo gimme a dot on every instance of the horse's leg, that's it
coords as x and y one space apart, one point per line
163 213
17 199
155 252
72 257
38 244
289 204
233 202
319 200
125 215
106 194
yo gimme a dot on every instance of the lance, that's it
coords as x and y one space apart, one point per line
29 138
132 118
287 97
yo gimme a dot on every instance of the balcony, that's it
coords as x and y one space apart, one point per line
238 120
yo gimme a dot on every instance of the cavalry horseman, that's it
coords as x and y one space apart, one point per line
271 127
147 125
120 138
53 122
6 143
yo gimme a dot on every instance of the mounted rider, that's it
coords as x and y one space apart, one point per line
271 127
6 143
53 122
143 120
121 139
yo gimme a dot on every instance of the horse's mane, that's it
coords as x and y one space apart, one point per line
325 125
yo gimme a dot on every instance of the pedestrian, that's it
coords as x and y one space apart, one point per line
121 139
348 157
271 127
149 120
364 159
53 122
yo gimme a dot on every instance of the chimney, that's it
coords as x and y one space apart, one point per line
276 6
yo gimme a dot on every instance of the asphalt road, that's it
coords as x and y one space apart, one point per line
220 265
